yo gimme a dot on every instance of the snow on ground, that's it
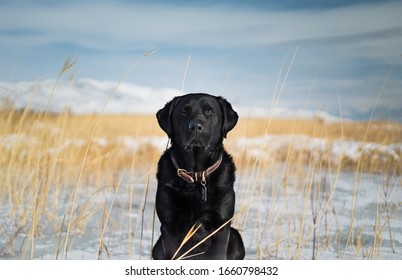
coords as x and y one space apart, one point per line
275 221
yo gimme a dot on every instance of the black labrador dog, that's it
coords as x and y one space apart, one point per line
195 181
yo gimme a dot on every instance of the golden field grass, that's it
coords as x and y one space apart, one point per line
383 132
75 137
43 155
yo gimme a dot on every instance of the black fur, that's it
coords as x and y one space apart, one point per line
197 124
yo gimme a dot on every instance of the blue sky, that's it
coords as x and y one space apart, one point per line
239 49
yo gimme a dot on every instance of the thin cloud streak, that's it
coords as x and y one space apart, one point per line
113 26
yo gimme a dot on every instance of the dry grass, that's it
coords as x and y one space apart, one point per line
383 132
62 140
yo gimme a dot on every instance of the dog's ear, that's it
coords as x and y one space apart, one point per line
229 116
164 116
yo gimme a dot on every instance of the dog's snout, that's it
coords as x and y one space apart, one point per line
195 126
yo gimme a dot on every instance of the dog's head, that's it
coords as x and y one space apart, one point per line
197 120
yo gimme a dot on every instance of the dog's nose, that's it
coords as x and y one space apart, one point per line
195 127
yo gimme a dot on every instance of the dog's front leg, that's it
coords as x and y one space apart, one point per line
174 223
170 241
167 245
218 240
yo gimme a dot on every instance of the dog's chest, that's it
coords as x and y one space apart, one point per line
194 194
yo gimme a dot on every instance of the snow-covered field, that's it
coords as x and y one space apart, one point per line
284 210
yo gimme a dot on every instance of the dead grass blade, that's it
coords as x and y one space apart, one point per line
188 236
206 238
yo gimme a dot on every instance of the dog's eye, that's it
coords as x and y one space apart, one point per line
209 111
186 110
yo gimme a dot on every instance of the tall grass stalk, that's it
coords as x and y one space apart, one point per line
133 183
68 63
89 143
317 214
359 168
185 74
143 216
257 164
105 221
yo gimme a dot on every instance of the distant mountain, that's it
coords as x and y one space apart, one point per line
380 112
82 96
86 96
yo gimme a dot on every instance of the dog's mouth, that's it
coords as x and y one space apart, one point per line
195 143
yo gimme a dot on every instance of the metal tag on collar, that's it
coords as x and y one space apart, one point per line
204 190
